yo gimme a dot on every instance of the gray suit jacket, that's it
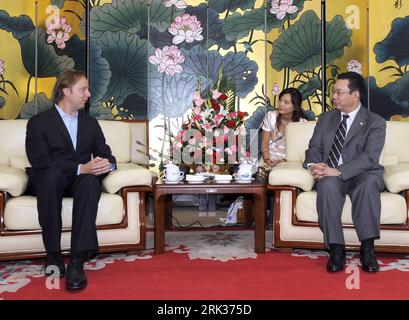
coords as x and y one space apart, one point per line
362 147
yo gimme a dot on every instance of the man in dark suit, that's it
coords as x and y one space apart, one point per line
343 157
69 157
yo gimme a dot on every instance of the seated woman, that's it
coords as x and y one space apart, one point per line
274 124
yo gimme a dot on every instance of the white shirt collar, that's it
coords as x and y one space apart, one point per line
63 114
352 114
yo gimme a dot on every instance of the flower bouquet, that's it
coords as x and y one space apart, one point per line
209 139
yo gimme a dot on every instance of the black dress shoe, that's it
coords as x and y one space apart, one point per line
368 260
76 278
336 261
54 265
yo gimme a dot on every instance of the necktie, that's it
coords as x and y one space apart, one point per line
338 143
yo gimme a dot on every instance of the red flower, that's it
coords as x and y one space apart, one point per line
223 97
230 123
241 114
215 106
197 117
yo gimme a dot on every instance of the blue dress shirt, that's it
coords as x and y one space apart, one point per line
71 123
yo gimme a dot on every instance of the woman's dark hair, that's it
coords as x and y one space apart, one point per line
67 79
296 100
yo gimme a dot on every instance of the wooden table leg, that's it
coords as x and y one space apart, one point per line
168 211
248 211
259 232
159 244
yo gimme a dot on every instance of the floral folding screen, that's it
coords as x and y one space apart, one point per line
146 57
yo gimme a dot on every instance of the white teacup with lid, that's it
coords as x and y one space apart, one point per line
172 173
245 172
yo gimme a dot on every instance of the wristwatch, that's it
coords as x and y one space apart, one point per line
340 173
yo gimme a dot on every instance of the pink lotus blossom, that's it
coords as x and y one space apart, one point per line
2 69
168 60
281 7
177 3
197 99
276 89
58 30
354 66
186 28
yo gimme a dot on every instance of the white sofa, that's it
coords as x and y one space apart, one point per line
122 207
295 215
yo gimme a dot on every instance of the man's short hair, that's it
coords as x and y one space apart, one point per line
356 82
66 79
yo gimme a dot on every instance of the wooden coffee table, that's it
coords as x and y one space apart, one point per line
256 189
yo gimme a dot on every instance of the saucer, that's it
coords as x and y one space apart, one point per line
193 178
238 180
172 182
221 181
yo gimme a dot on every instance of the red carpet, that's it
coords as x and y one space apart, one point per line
274 275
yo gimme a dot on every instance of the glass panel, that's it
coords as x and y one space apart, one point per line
61 45
118 59
346 41
294 52
389 58
178 62
17 58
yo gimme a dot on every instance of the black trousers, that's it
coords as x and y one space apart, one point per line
50 186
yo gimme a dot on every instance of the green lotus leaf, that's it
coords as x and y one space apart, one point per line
58 3
231 5
75 49
308 89
401 95
100 74
2 102
83 24
212 27
127 58
49 63
170 96
299 46
238 26
237 67
135 107
381 101
160 17
120 15
396 44
39 104
20 27
98 111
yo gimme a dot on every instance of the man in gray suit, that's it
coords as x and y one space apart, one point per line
343 157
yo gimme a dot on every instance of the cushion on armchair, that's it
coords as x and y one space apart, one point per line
396 177
291 174
13 180
20 162
127 174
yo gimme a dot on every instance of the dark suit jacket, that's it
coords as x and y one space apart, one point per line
48 143
362 147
